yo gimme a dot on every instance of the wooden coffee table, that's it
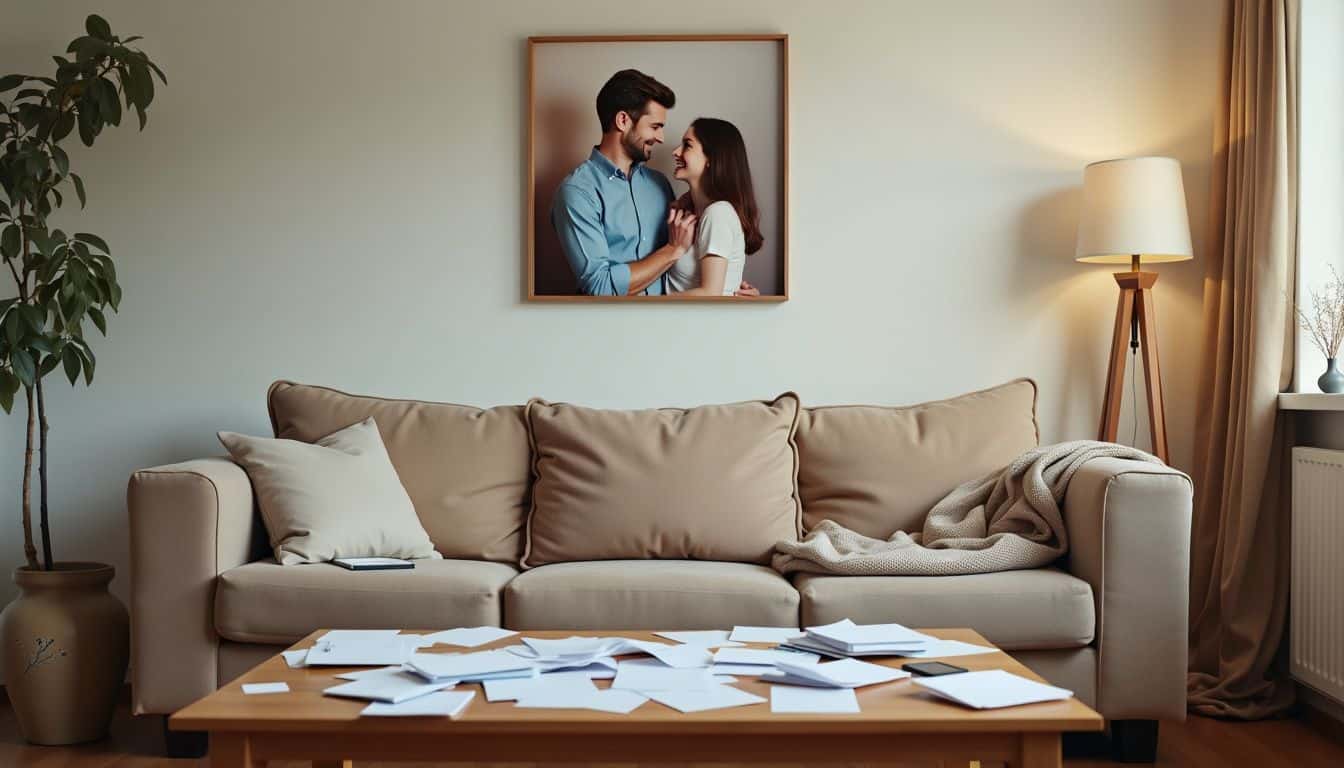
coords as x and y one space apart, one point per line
899 723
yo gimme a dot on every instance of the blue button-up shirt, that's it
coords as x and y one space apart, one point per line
606 220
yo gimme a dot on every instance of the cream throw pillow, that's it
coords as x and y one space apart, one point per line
337 497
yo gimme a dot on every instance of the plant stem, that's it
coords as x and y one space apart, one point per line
42 474
29 551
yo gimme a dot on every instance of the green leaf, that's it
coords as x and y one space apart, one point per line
49 363
86 132
9 384
132 39
32 317
98 27
10 82
116 296
108 104
40 343
10 241
62 160
94 240
86 355
70 358
162 78
12 328
64 124
99 320
79 188
23 366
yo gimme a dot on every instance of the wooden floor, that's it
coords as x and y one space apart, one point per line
1196 743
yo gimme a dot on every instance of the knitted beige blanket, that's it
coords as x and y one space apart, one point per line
1007 520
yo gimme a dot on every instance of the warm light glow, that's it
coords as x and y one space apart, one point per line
1133 206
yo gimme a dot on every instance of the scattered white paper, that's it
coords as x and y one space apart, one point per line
788 699
361 652
470 666
939 648
296 659
846 673
648 675
746 670
342 635
705 638
392 688
991 689
714 697
362 673
559 683
611 700
681 656
255 688
469 637
574 646
601 669
764 634
764 657
441 704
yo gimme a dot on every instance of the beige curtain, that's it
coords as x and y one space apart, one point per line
1240 547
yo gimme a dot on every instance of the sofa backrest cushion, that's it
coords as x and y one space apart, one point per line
716 482
878 470
465 468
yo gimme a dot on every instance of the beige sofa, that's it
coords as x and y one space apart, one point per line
1108 621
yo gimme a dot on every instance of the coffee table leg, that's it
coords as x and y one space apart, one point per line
232 750
1040 750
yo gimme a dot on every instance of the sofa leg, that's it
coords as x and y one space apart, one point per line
182 744
1134 741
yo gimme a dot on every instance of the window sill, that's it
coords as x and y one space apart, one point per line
1310 401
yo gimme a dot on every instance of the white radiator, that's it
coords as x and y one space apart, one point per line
1318 570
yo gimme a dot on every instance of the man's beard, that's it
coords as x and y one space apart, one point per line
636 149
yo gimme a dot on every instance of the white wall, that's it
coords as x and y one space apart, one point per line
331 191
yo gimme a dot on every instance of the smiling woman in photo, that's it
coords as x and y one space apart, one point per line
712 159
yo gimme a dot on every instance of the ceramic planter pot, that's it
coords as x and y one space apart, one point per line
64 644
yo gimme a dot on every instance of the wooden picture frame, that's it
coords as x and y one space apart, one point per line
781 224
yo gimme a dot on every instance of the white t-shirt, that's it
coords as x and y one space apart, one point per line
719 232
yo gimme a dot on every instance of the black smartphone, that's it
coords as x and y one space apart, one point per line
931 668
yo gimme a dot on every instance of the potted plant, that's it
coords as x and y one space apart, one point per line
65 638
1325 326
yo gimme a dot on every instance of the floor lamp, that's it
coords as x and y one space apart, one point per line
1133 211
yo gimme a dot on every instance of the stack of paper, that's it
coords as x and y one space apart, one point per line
845 639
846 673
392 686
991 689
469 667
441 704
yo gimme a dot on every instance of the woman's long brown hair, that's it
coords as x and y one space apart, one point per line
728 175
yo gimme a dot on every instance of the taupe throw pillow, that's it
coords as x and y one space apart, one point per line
336 497
717 482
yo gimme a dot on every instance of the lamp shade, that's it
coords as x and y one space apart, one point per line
1133 206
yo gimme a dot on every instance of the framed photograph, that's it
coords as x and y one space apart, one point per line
657 168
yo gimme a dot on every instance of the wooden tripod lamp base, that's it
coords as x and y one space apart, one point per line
1135 326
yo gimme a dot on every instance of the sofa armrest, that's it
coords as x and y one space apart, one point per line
1129 538
189 523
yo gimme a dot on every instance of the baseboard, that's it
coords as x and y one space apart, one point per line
1322 713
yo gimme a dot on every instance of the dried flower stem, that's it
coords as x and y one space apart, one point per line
1325 324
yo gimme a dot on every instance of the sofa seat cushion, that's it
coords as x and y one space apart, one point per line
1042 608
649 594
264 602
